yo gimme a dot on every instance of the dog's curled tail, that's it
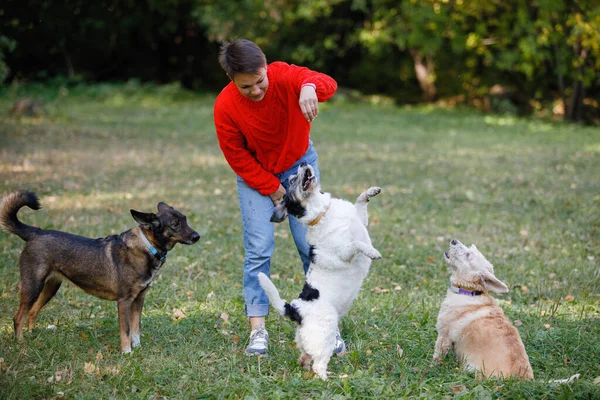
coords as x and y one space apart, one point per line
10 205
272 293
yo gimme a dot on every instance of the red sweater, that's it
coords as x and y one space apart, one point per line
264 138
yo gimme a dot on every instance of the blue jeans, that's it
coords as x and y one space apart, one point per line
259 235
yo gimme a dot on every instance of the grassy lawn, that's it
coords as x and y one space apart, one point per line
526 192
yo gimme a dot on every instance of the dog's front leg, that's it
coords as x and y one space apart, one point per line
442 346
124 306
136 316
362 201
367 250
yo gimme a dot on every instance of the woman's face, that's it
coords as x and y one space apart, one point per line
252 86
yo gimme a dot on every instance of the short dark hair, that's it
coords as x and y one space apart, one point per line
241 56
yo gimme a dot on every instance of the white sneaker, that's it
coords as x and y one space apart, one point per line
259 342
340 346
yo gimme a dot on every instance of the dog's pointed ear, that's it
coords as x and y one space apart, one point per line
494 284
163 206
146 220
280 213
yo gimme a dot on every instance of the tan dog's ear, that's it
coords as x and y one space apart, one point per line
494 284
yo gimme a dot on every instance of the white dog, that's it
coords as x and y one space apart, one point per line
472 324
340 255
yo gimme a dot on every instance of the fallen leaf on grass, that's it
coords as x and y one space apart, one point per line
517 323
379 289
225 316
597 381
178 314
569 380
111 371
89 368
569 298
458 388
547 326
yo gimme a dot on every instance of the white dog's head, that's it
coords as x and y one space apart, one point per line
470 269
301 187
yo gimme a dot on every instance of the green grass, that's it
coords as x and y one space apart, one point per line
526 192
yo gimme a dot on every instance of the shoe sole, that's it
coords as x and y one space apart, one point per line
253 353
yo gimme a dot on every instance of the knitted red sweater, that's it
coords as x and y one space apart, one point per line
264 138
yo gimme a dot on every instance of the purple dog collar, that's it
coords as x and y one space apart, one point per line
464 291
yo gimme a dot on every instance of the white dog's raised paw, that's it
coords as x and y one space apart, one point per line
375 255
370 192
373 191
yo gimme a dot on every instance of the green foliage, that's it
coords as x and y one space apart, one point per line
6 45
541 52
524 191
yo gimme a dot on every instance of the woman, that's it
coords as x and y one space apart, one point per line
263 119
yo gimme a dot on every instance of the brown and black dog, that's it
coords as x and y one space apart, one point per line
118 267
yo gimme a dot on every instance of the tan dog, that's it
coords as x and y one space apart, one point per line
472 324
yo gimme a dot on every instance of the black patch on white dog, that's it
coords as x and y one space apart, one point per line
309 293
311 253
292 313
294 208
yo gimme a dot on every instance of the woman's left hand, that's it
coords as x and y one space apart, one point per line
309 103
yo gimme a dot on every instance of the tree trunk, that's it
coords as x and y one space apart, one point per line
67 57
574 111
560 77
425 71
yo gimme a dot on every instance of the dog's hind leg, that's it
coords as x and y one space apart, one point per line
50 288
34 272
304 360
362 201
320 366
135 318
30 291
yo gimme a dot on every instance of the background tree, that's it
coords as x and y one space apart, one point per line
6 45
533 54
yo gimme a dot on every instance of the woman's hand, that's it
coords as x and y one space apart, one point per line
278 194
309 103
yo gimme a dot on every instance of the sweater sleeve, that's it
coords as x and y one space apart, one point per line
325 85
239 158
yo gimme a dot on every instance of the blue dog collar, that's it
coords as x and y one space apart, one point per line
464 291
160 256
